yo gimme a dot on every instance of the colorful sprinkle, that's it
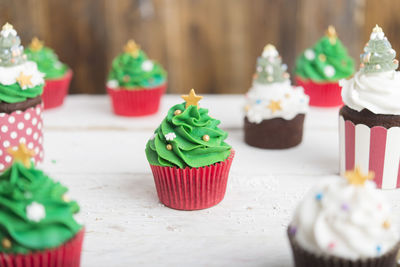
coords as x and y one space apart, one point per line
345 207
331 245
258 101
319 196
378 249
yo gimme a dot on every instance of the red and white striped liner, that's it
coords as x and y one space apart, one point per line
192 188
374 149
21 127
66 255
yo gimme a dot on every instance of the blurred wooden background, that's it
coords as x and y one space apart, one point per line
210 45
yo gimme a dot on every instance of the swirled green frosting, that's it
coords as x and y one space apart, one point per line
47 62
13 93
136 72
325 61
19 188
188 146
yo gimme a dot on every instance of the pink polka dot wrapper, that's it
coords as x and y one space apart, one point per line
55 91
137 102
192 188
66 255
21 127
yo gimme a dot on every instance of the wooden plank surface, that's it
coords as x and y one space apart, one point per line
206 44
100 157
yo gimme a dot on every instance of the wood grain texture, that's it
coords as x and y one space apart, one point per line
210 45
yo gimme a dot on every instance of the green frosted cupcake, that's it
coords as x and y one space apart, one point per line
36 216
319 69
57 74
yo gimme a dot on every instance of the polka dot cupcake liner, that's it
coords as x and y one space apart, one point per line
192 188
21 127
326 94
54 91
67 255
137 102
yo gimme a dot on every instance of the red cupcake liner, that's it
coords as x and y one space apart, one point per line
21 127
192 188
55 90
67 255
322 94
139 102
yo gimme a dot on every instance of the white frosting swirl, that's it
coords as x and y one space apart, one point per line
378 92
9 75
352 222
292 101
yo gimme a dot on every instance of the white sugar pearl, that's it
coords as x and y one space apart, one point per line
14 135
309 54
329 71
11 119
20 125
6 143
4 128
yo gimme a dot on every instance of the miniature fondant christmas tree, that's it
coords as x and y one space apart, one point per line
270 68
378 56
11 50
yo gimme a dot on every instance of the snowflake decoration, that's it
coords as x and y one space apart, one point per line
170 136
112 84
147 65
153 136
329 71
35 212
309 54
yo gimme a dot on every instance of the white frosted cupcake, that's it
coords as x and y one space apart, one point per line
275 110
344 222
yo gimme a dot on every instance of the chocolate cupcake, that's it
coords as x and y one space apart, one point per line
21 86
369 125
275 110
344 222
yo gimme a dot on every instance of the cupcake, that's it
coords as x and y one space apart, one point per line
37 225
189 158
275 110
21 84
135 83
57 75
318 70
369 124
344 222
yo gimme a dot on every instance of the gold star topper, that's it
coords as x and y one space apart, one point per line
357 178
36 44
331 33
24 80
7 26
192 99
377 28
22 154
269 47
132 48
274 106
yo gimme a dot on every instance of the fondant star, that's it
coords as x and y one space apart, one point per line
274 106
36 44
331 33
22 154
192 99
24 80
356 178
132 48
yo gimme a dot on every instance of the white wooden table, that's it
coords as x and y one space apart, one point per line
101 158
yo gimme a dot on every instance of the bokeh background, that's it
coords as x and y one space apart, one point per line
210 45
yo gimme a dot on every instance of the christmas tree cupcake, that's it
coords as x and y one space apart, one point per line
135 83
275 110
21 84
37 225
344 222
189 158
369 125
57 75
318 70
